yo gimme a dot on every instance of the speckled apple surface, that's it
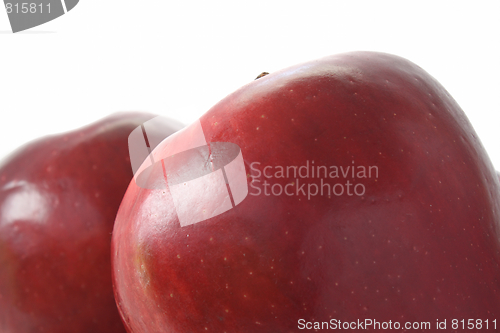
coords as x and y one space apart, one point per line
421 244
58 201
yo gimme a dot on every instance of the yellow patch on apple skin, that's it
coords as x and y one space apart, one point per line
141 268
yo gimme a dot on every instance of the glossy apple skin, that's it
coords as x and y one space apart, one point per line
58 200
422 244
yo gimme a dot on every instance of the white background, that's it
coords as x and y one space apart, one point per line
178 58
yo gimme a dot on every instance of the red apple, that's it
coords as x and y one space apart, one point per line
58 201
411 238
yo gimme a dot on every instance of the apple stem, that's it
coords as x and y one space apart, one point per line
261 75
